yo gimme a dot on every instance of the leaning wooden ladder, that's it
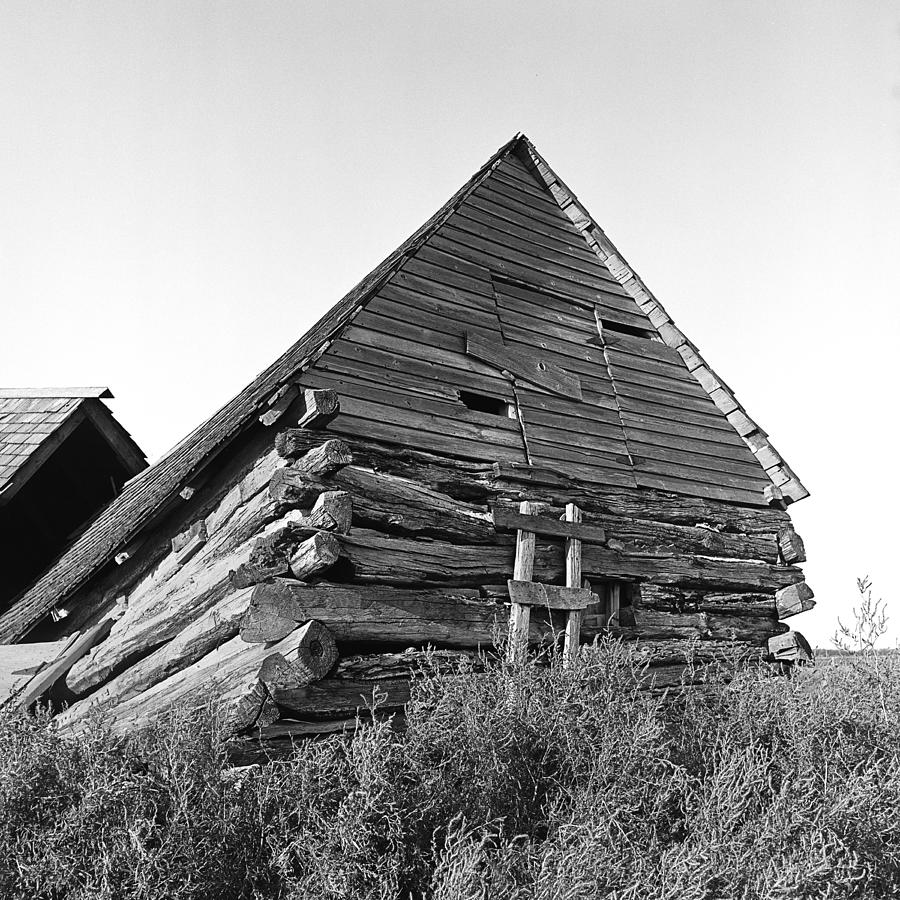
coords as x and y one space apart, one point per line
524 592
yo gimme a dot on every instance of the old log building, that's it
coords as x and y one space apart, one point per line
500 423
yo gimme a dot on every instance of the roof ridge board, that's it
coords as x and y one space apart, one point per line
43 594
771 461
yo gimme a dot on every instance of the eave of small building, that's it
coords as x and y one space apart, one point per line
88 408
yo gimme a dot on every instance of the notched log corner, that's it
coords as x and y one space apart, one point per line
285 552
313 657
324 459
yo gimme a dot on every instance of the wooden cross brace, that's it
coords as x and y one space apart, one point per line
525 593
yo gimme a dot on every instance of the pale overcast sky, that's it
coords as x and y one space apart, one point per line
187 186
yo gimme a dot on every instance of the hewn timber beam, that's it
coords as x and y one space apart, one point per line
214 627
389 559
227 675
186 544
48 676
455 617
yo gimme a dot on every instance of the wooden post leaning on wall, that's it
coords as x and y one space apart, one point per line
573 579
520 614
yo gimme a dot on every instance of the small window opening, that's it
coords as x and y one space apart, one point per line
631 330
616 606
493 406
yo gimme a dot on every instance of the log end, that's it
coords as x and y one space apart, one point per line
318 553
794 599
791 648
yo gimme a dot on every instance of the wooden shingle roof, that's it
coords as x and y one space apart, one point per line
35 421
149 494
25 424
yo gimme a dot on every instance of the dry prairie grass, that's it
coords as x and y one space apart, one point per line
534 782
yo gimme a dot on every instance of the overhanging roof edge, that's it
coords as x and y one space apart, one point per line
771 461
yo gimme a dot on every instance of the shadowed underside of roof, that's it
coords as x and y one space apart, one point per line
637 454
25 424
35 421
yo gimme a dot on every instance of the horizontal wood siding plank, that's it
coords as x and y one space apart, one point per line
592 474
503 195
410 284
642 347
670 386
644 463
494 255
456 269
439 268
532 397
675 416
608 440
702 446
581 417
441 315
742 468
431 371
529 194
419 350
538 305
528 273
519 175
418 437
648 479
453 418
377 375
418 326
501 206
677 404
568 313
499 219
599 456
521 244
650 364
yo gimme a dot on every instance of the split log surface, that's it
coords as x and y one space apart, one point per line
387 559
214 627
455 617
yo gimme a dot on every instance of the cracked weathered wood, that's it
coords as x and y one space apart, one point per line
223 677
204 634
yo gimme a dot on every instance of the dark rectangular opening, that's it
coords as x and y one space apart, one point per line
631 330
485 404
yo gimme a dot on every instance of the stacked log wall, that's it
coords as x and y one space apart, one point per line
421 565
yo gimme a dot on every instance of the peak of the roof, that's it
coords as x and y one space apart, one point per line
103 393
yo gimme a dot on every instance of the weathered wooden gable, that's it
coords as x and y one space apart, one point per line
439 357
